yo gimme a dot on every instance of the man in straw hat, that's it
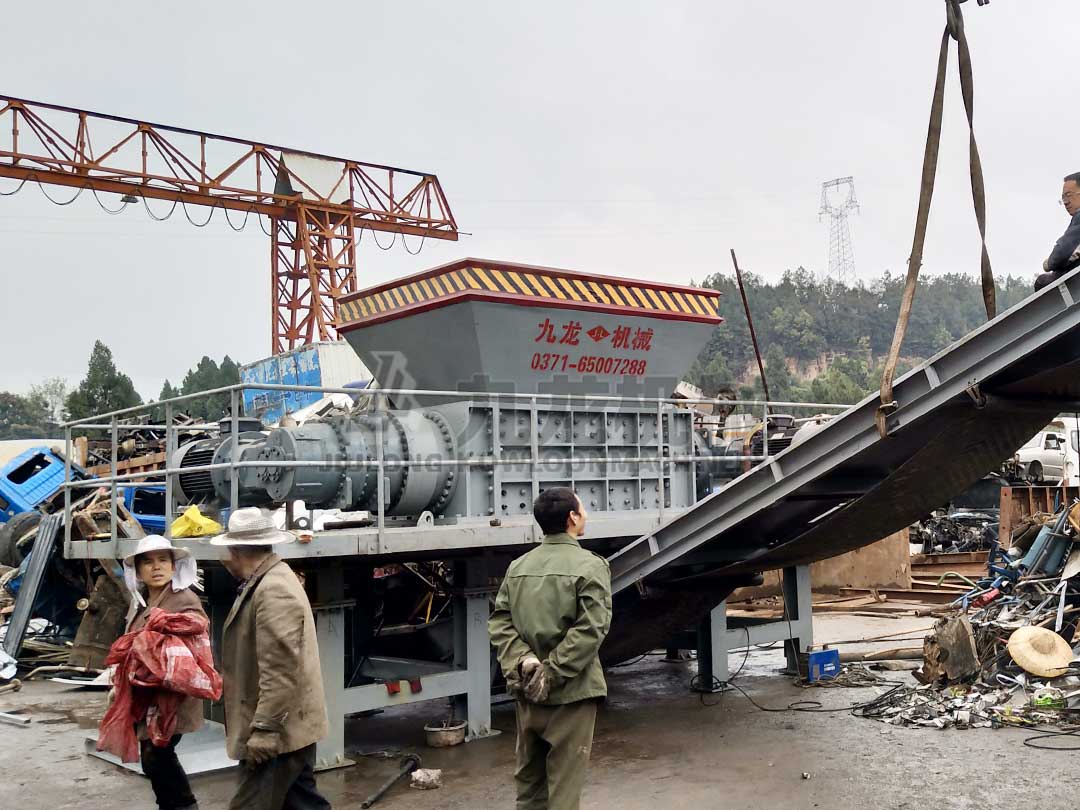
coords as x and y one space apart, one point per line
275 711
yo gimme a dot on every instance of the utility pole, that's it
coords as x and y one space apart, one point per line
750 323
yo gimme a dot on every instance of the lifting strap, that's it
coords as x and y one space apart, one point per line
954 29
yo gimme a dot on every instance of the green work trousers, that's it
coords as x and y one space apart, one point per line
553 747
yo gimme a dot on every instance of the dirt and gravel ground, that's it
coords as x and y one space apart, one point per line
657 745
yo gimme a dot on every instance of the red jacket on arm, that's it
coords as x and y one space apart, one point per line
156 667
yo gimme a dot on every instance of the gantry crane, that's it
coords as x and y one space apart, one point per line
317 205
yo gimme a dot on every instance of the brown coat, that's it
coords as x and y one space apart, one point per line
270 663
189 717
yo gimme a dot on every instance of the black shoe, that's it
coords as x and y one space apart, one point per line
1046 278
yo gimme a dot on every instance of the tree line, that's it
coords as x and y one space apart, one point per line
105 388
824 341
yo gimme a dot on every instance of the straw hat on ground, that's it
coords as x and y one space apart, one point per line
1040 651
252 526
184 573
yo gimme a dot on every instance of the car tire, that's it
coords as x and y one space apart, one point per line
1035 471
13 531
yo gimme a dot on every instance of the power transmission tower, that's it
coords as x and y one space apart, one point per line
841 254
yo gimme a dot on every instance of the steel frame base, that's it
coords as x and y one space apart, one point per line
202 751
467 678
716 638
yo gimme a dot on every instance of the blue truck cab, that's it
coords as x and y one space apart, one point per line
29 479
146 502
36 475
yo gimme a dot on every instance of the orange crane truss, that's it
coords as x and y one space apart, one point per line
318 205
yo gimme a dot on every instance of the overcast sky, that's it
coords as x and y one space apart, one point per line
638 139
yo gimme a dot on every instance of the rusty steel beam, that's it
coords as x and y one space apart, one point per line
318 204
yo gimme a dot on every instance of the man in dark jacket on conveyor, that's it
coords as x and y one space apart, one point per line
1066 253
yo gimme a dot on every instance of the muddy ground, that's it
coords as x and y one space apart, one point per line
657 745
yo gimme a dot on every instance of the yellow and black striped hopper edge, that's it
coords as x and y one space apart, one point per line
531 286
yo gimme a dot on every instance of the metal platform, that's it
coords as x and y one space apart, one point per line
419 541
960 415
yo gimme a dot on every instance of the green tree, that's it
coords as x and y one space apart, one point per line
846 381
782 383
103 389
808 318
206 376
167 392
713 377
23 417
53 392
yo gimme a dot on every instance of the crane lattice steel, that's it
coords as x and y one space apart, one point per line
317 205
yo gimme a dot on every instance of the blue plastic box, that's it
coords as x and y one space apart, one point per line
823 665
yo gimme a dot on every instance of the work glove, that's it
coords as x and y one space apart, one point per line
262 746
527 665
538 684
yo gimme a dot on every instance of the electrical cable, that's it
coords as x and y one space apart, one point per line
1031 742
78 194
862 679
416 252
213 208
105 208
16 191
243 224
375 239
641 657
146 205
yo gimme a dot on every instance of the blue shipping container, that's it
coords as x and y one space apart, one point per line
327 365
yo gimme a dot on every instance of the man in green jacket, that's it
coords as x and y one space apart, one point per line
552 613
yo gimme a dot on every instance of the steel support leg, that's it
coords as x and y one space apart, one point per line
330 631
798 607
472 649
712 649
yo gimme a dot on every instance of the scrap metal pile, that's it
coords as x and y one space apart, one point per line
57 614
946 533
1005 655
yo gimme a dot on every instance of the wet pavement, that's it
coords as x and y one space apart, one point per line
657 745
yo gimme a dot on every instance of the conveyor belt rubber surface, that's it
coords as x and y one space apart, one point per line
959 415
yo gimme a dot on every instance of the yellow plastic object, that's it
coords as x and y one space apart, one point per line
195 524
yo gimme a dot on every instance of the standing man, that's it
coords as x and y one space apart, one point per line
274 705
1066 253
551 615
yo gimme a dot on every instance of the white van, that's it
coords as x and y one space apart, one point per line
1042 457
1071 423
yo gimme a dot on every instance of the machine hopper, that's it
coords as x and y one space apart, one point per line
478 325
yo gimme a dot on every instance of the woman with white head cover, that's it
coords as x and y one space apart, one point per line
184 572
160 576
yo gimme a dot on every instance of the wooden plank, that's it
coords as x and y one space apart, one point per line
970 570
930 596
951 557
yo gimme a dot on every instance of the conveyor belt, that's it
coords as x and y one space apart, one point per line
960 415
